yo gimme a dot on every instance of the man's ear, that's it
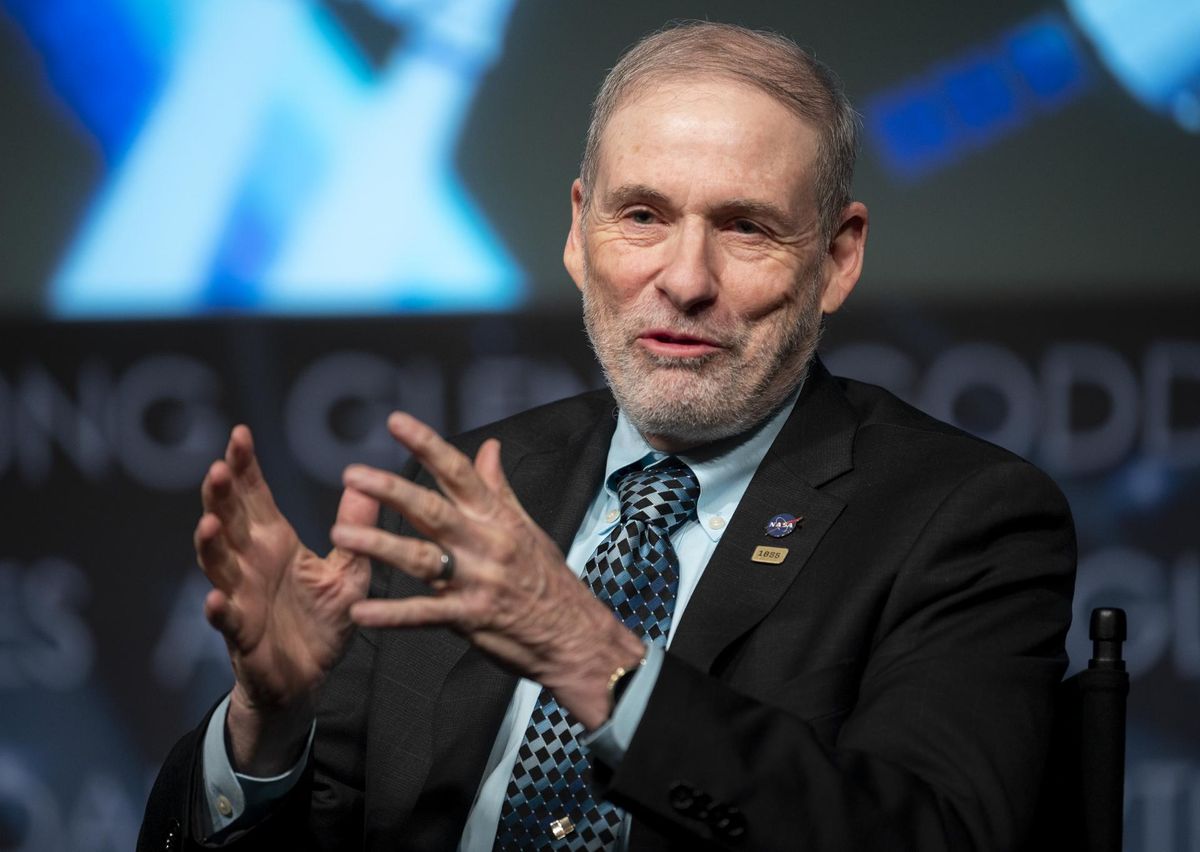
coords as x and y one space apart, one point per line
844 260
573 251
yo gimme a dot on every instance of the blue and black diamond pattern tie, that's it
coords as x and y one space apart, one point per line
635 571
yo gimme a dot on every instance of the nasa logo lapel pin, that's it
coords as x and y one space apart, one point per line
783 525
778 527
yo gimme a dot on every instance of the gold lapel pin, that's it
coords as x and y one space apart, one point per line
769 555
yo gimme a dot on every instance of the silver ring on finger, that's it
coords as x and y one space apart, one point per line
447 563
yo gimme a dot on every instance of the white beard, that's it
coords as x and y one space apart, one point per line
693 401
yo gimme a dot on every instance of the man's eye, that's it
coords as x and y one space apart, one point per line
745 226
642 217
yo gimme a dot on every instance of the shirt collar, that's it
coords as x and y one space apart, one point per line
723 476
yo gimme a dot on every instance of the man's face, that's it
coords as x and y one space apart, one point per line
700 259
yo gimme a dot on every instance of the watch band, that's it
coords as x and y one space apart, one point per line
619 681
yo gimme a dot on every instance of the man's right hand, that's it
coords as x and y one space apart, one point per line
283 610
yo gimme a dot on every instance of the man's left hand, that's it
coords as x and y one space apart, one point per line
511 592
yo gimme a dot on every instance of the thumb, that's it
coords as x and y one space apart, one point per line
356 509
487 465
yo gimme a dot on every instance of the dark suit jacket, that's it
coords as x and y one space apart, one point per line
888 686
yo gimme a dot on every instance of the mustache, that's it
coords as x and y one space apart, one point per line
636 322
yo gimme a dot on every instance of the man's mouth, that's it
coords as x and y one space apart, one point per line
660 341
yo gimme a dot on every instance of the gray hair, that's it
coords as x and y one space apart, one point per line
770 62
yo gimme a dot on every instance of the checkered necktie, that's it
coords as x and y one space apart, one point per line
635 571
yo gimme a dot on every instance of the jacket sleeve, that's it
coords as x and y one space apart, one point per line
322 811
945 743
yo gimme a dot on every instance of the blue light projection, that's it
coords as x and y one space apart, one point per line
267 156
977 98
1152 48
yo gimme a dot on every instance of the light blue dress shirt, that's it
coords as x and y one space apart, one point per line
723 480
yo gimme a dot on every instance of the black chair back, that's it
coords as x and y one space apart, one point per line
1081 806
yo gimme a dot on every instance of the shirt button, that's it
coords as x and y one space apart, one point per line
224 806
612 516
716 522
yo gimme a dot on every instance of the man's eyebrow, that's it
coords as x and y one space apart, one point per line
630 193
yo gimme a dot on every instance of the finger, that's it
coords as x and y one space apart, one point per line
455 474
219 497
224 615
491 471
422 611
356 509
429 512
248 481
415 557
487 465
214 555
239 453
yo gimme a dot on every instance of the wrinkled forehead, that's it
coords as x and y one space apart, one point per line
710 130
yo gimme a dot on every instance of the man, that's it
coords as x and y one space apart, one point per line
863 609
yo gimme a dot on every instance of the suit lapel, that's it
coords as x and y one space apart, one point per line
735 592
557 486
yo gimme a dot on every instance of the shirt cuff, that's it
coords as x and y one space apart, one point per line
611 740
230 795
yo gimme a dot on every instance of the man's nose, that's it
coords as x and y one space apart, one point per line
688 277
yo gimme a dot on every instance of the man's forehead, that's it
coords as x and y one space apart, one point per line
710 131
709 100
